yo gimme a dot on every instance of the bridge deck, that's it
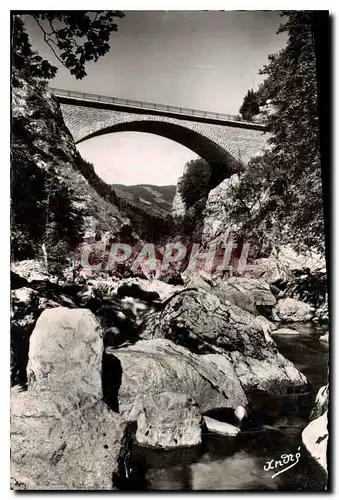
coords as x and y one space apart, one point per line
185 112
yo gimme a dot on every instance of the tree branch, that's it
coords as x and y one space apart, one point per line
48 40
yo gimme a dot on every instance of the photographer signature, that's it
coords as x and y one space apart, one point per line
285 459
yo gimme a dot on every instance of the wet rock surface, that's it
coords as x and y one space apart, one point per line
315 435
175 356
222 428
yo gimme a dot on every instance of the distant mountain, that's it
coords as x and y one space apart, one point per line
156 200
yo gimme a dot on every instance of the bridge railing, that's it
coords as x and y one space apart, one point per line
147 105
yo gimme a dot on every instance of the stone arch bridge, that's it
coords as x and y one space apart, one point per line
226 142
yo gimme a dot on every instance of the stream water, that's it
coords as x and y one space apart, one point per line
237 463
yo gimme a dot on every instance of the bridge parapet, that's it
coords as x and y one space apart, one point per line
185 112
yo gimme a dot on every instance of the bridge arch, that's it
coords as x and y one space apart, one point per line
222 163
226 145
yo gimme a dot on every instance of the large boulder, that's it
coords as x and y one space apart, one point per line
167 420
237 297
27 304
65 352
271 269
63 435
204 324
315 439
151 367
266 324
66 442
293 310
315 435
258 289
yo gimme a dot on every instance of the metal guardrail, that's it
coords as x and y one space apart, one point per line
148 105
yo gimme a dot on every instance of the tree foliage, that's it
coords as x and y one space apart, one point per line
43 209
45 217
77 38
280 192
193 185
250 106
26 63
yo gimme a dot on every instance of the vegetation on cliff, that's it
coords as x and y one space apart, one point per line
52 205
279 198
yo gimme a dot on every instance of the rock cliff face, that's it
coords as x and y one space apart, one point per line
178 207
43 149
216 223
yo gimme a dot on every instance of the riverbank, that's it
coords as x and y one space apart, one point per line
237 463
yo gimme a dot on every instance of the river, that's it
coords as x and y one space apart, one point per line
237 463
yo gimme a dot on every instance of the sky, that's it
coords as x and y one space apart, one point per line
197 59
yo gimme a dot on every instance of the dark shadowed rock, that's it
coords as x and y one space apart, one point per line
205 324
27 304
147 290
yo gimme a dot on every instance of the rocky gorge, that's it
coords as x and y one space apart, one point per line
103 378
109 370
